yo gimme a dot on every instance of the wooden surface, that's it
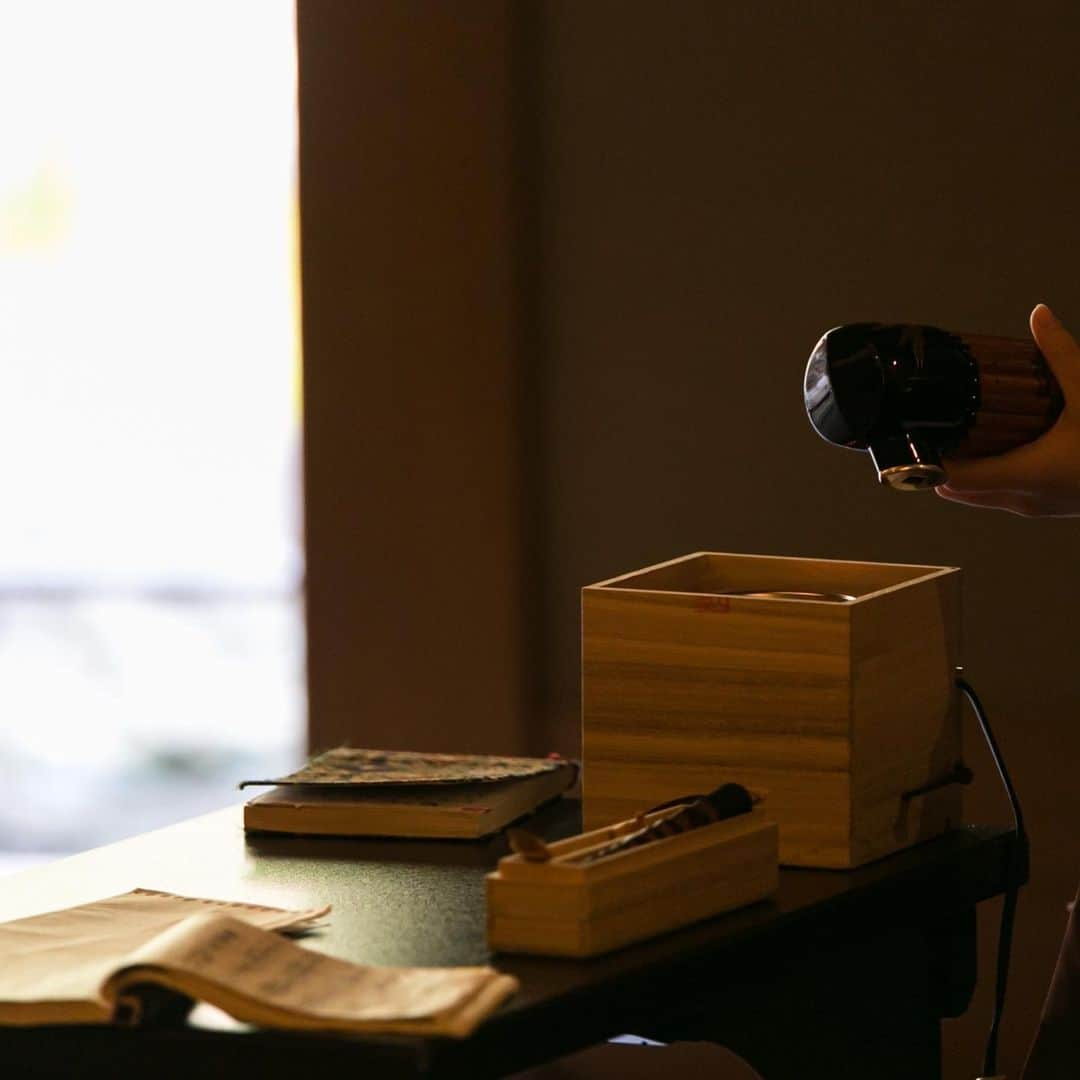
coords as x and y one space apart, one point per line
561 908
413 400
905 721
834 709
1019 398
710 572
419 902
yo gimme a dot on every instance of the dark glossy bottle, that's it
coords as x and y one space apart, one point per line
913 395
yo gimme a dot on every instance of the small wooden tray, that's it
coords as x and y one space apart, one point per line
557 908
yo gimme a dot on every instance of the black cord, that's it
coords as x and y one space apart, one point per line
1017 875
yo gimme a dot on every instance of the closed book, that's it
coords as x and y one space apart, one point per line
438 800
465 811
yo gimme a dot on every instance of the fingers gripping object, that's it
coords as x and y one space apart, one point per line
911 395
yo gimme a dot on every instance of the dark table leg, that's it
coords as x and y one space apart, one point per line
866 1004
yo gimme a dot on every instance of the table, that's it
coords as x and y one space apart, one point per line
842 973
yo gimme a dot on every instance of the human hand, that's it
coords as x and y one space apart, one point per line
1041 478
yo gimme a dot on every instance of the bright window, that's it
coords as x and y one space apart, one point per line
151 648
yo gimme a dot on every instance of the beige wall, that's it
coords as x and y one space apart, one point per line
724 181
563 264
412 398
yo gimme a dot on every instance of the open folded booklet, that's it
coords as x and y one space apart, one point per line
101 962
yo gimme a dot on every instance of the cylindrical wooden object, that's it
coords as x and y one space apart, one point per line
915 396
1019 398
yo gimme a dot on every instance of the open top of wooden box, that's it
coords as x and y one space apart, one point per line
714 573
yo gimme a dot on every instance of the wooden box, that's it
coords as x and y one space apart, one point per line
836 708
561 909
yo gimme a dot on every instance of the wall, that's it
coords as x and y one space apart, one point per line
563 265
416 619
720 183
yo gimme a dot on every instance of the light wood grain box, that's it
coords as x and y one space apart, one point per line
562 909
836 708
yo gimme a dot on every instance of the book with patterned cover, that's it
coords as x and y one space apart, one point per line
346 765
348 792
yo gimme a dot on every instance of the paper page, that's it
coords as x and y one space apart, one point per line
265 979
64 956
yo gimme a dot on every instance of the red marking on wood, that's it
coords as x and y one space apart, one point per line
710 604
